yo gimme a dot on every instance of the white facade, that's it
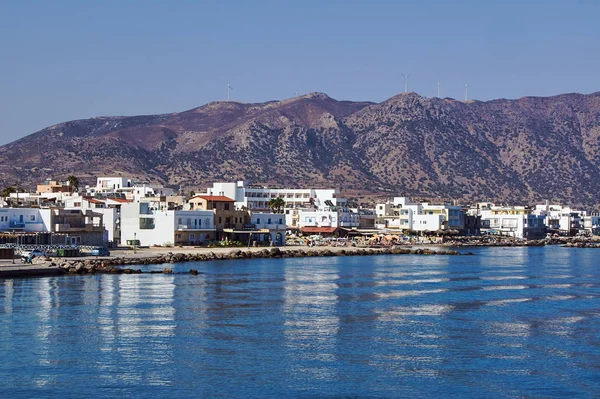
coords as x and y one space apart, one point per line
340 217
406 215
258 197
518 222
562 218
128 188
25 219
150 190
273 222
112 184
164 227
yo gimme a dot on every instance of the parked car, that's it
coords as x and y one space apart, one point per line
100 252
27 256
33 253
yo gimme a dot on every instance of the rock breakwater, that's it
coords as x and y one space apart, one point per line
118 265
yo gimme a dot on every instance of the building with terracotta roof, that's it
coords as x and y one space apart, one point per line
225 214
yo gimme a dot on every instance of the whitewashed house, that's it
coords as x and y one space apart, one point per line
270 227
64 226
403 214
149 226
515 221
257 198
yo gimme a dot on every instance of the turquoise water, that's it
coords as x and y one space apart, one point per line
504 323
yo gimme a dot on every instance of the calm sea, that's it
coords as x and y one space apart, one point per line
504 323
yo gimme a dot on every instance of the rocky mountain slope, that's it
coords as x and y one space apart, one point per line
529 149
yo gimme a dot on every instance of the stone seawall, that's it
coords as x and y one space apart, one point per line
120 265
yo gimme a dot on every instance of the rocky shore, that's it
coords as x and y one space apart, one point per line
123 265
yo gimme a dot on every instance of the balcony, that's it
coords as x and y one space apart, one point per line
183 227
67 228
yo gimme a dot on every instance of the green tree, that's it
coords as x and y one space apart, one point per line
7 191
73 182
276 204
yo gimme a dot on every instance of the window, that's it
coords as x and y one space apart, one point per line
226 206
32 218
219 219
146 223
179 221
257 220
280 221
269 221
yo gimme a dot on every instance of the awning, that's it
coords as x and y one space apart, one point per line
364 232
259 231
310 229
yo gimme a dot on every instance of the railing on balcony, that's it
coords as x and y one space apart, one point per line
65 227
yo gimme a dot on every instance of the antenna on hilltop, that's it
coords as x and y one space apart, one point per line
297 94
229 88
405 82
466 92
439 89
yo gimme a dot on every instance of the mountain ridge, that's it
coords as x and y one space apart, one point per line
526 149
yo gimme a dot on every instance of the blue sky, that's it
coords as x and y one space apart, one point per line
63 60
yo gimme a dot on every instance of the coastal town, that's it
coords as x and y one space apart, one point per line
124 213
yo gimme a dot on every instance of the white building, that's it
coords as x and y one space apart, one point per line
567 220
516 221
257 198
25 219
139 221
67 226
269 224
340 217
128 188
403 214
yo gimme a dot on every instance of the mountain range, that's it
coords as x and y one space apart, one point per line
525 150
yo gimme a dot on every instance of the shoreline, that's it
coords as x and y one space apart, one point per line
119 260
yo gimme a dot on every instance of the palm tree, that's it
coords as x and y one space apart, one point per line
277 204
73 182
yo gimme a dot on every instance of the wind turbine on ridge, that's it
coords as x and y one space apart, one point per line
229 88
405 82
466 92
439 89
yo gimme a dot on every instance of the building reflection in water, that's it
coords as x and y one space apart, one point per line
137 322
311 322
